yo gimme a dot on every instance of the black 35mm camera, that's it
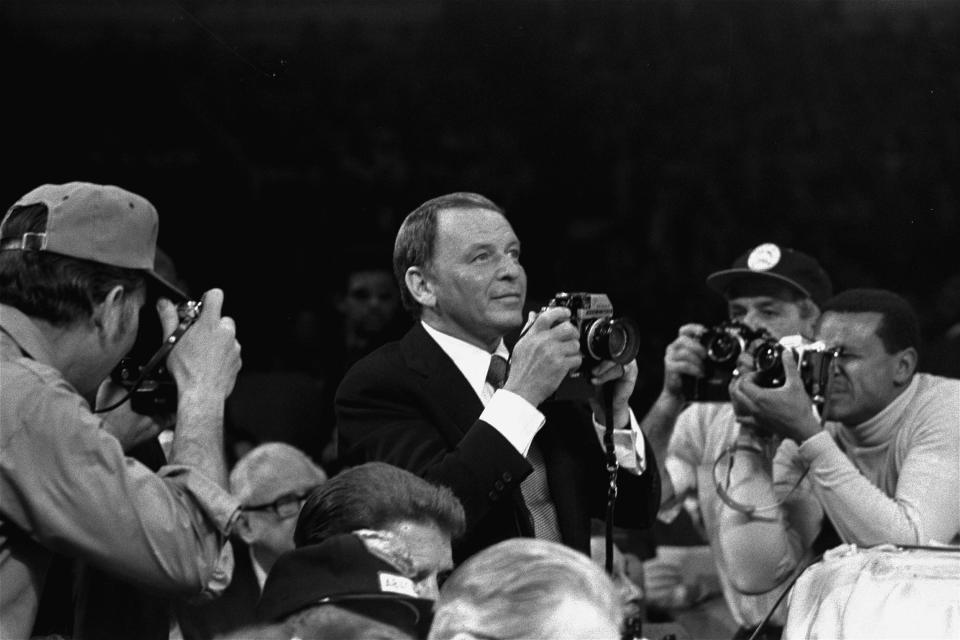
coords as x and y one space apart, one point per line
150 387
602 336
724 344
815 361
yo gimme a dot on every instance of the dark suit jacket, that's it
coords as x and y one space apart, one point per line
407 404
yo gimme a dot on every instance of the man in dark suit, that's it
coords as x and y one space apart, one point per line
435 402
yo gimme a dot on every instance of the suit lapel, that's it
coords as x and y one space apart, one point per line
441 379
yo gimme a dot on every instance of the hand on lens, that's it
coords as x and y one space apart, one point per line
786 411
683 356
544 356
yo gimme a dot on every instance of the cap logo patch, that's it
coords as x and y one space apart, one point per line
392 583
764 257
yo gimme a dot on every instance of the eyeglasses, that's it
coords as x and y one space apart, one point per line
286 506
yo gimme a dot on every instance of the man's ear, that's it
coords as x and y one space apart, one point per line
420 287
107 316
906 364
243 528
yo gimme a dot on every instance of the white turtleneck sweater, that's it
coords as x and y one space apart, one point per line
893 479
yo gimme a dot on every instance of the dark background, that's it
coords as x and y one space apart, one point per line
636 146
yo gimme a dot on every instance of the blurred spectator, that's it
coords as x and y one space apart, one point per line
271 481
375 495
528 588
340 588
941 351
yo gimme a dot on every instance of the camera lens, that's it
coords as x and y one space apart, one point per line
724 348
767 356
613 339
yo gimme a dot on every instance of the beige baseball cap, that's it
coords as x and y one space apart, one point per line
100 223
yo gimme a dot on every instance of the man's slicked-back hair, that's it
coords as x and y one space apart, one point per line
416 239
376 495
514 588
59 289
899 327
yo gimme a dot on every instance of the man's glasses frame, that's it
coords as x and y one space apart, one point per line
285 506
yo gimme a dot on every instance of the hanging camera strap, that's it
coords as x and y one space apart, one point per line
612 467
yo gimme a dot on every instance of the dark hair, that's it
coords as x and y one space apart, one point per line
414 245
899 326
376 495
53 287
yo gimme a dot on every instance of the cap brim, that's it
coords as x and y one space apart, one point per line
721 281
160 287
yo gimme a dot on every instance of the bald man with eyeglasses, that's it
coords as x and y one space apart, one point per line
272 481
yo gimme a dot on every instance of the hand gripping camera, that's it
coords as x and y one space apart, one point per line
602 336
724 344
814 362
150 387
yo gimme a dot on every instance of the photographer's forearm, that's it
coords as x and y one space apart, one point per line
198 437
657 427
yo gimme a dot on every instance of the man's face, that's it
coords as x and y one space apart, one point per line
867 378
478 283
371 301
285 490
430 550
773 310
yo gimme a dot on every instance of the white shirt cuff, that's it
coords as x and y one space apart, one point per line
516 419
627 444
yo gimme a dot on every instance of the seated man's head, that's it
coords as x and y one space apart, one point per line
375 495
524 588
774 288
271 481
348 586
879 335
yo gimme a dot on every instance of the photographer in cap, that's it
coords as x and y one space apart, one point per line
770 288
440 402
76 266
880 463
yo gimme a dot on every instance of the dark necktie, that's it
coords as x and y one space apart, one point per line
498 371
536 492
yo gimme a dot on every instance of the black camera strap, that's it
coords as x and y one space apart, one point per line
612 467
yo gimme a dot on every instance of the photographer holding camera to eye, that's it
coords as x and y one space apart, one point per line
771 292
76 267
435 402
880 461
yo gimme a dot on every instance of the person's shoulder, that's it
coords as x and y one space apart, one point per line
937 403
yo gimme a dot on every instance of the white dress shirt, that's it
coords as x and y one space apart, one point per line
516 419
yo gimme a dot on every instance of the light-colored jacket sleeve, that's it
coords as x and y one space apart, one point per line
67 483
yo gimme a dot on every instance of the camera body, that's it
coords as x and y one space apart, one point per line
602 336
150 385
814 362
724 344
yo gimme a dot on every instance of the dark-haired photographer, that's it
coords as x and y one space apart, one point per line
76 267
441 402
772 292
880 462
